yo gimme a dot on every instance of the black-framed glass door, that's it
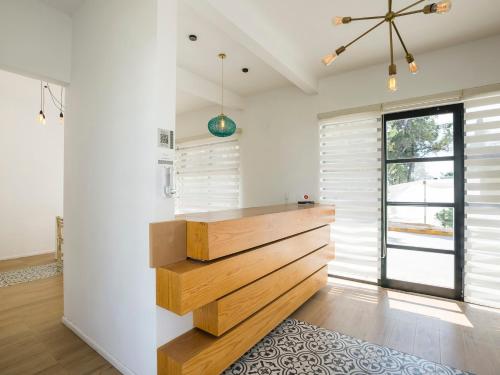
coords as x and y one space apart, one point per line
423 201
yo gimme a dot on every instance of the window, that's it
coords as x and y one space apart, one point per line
207 175
350 178
482 197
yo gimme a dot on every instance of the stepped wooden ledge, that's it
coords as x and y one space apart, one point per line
211 235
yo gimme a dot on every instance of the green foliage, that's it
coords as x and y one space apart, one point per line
445 216
414 137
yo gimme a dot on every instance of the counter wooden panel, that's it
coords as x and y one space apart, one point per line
167 242
214 235
188 285
197 352
219 316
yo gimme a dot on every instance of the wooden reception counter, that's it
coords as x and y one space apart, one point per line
241 272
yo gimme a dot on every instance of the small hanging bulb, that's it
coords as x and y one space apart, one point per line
392 83
329 59
61 118
40 117
337 21
443 6
44 120
412 65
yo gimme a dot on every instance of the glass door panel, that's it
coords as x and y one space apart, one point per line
423 201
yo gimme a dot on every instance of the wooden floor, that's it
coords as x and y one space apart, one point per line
34 341
32 338
457 334
37 260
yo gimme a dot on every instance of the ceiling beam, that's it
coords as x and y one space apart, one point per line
242 22
200 87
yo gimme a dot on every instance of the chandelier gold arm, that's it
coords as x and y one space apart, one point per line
365 18
391 43
410 6
366 32
400 38
410 13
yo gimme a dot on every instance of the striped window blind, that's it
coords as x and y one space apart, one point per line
350 178
207 176
482 189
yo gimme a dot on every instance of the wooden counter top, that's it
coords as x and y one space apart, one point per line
211 235
240 213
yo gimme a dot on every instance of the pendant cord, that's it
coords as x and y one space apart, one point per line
62 90
222 89
41 95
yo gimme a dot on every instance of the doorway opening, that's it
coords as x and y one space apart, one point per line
423 201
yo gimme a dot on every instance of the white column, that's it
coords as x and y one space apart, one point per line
122 90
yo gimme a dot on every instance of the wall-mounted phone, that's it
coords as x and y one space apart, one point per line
166 177
165 166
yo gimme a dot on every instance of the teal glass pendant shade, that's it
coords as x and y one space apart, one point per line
221 126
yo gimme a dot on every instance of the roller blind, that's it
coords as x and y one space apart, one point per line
207 176
482 211
350 178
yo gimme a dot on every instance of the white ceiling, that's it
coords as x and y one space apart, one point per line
186 102
282 42
200 57
65 6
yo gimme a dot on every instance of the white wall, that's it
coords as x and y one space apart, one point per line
35 40
279 143
31 169
122 89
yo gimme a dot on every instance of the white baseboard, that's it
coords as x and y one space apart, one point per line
19 256
116 364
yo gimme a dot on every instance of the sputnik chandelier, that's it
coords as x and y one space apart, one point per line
390 17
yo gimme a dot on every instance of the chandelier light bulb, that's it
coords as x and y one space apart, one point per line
392 83
329 59
40 117
61 118
337 21
444 6
413 67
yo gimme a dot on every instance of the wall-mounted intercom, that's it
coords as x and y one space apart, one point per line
165 163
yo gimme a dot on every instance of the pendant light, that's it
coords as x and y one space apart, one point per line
221 125
441 7
41 114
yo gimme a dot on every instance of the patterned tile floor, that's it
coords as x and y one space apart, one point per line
32 273
299 348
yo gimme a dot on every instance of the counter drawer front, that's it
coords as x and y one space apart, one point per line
197 352
221 315
188 285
